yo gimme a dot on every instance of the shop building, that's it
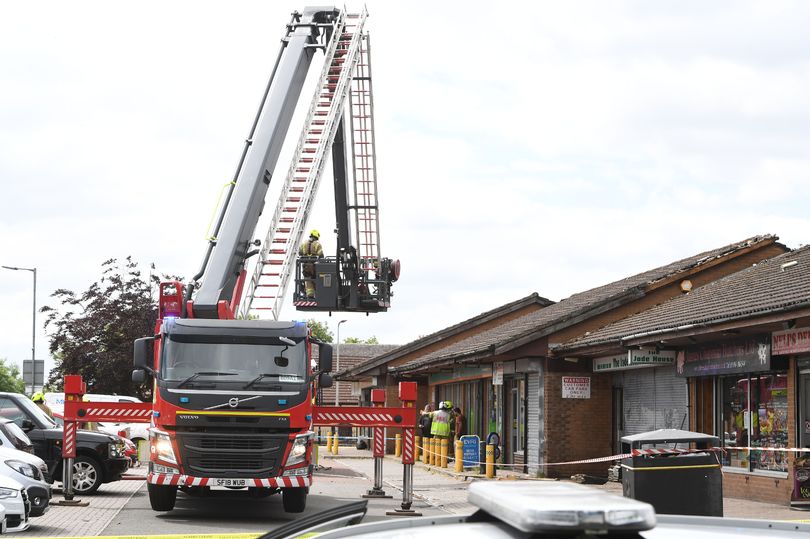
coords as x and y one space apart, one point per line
742 347
547 408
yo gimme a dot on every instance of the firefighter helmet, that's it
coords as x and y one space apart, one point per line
315 234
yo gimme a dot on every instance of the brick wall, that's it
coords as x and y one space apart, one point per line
577 429
757 488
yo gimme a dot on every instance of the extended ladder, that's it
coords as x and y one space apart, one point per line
268 284
364 161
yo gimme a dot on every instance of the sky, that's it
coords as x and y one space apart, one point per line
545 147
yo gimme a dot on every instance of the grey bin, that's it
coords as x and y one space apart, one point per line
675 484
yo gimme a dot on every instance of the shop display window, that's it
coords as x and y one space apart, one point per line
754 414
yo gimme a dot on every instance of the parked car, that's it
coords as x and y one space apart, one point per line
15 502
11 435
132 431
31 472
100 458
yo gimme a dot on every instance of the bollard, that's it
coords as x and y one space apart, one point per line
328 442
459 456
418 448
432 448
335 446
397 445
445 447
490 461
425 450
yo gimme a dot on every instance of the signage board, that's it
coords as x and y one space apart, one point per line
732 357
576 387
790 341
646 357
497 374
470 445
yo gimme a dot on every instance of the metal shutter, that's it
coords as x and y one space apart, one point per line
654 398
533 419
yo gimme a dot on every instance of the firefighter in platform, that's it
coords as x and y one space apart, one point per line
311 249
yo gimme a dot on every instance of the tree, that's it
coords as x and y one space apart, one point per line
10 379
320 330
357 340
93 332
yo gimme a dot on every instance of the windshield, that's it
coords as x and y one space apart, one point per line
233 359
34 410
16 435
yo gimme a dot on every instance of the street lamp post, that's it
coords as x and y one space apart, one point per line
337 365
33 322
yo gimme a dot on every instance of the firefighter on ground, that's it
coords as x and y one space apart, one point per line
310 248
39 400
440 426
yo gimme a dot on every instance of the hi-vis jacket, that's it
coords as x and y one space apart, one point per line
441 423
311 248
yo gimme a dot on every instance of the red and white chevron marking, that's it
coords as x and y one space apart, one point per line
119 413
361 419
69 440
407 446
656 451
379 442
305 303
189 481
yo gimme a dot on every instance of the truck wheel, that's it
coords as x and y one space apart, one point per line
161 497
87 475
294 499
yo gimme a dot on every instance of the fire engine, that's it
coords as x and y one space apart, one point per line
234 394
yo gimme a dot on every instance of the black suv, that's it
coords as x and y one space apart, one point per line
100 458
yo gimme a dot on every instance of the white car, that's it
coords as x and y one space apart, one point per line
15 501
31 472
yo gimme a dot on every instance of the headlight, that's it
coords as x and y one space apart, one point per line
161 446
299 450
117 449
22 468
7 493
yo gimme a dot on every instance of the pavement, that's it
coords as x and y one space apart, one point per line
116 507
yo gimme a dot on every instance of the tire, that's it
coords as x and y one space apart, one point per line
294 499
162 497
87 475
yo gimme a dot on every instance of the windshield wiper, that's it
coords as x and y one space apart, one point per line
204 373
259 378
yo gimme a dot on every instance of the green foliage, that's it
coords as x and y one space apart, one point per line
92 333
356 340
10 378
320 330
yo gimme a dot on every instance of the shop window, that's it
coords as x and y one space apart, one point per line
754 414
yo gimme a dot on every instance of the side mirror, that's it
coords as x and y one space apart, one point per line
139 376
324 380
28 425
143 355
325 357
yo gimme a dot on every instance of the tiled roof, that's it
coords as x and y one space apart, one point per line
351 355
573 309
766 287
437 336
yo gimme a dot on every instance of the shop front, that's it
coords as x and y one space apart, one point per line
751 412
647 394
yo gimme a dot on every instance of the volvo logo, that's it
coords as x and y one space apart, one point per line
234 402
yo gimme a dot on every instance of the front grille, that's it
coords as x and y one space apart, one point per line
210 454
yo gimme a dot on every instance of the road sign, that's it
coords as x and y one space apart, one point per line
34 374
470 448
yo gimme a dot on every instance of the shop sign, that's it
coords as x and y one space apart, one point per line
497 374
470 449
633 359
790 341
739 356
576 387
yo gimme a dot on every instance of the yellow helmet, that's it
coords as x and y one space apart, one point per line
38 397
315 234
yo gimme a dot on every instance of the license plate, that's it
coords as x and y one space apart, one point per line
231 483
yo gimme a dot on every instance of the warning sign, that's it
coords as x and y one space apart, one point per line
576 387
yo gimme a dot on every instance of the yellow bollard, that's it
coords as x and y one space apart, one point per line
445 448
490 461
328 442
417 442
425 451
335 442
397 445
434 443
459 456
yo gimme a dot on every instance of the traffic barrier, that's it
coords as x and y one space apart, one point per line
459 464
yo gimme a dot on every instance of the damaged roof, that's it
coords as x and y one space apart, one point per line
575 309
778 284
